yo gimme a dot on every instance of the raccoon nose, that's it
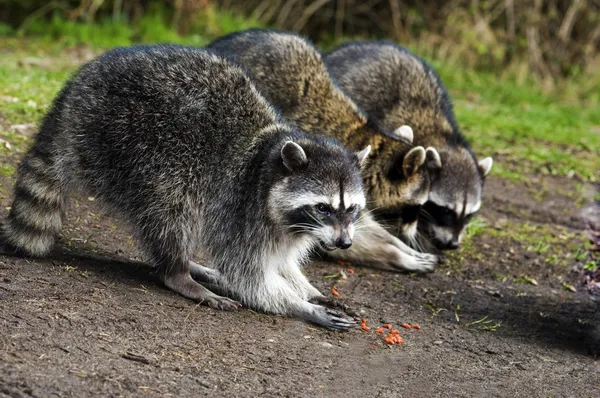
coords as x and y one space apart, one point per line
453 245
343 243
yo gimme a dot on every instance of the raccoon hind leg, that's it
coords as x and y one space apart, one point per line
181 282
172 259
205 274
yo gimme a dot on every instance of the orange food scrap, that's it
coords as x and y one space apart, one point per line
350 270
335 292
406 326
392 339
379 331
395 332
387 325
363 325
416 326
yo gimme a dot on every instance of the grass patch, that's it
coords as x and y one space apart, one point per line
526 130
556 246
509 117
7 170
485 324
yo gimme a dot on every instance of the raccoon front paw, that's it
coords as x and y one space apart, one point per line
331 319
334 303
417 262
223 303
431 260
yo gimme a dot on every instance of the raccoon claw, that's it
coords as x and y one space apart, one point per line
223 304
419 262
333 319
428 261
334 303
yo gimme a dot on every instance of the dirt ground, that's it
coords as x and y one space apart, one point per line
93 320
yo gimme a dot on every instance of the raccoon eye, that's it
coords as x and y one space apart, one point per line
351 209
323 209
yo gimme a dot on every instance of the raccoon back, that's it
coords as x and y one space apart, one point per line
290 72
396 88
147 129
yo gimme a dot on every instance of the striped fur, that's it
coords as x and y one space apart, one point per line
289 71
180 144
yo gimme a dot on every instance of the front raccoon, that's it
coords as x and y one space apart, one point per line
183 147
290 72
396 88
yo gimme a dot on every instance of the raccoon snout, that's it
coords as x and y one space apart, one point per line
453 244
343 242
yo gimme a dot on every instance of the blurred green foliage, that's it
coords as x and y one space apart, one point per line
507 114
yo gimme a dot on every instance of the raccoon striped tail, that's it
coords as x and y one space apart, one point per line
35 218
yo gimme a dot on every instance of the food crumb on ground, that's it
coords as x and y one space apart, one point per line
364 326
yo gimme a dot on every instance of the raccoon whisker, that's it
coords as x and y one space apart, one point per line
426 215
302 229
299 229
315 219
414 242
361 227
364 215
303 225
371 210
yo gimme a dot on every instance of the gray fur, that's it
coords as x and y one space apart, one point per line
289 71
396 88
179 143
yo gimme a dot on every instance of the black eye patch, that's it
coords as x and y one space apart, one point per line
300 218
442 215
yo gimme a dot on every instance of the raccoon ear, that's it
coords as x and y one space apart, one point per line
363 155
404 132
485 165
413 160
434 162
293 156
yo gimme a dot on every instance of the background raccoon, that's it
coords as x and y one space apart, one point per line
180 144
290 72
395 88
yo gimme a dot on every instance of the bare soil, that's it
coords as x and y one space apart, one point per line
92 319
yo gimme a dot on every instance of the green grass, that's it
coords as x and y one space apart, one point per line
506 116
532 132
7 170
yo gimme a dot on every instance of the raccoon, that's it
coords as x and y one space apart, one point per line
289 72
395 88
179 143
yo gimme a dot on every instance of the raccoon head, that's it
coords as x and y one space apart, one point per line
454 198
407 185
321 194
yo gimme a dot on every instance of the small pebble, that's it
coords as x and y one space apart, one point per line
438 342
326 344
271 340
